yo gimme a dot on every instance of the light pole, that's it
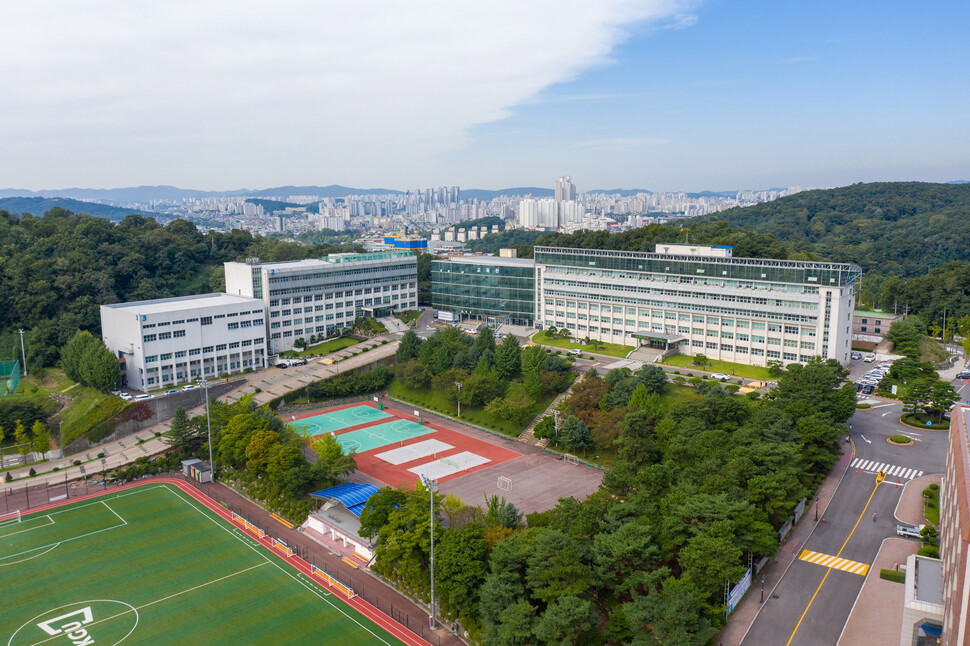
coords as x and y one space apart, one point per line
459 398
208 423
816 509
432 486
762 589
23 354
104 483
555 423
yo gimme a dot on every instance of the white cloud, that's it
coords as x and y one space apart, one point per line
246 92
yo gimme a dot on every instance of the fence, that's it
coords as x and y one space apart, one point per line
453 419
9 377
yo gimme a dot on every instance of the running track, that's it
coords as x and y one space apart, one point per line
358 604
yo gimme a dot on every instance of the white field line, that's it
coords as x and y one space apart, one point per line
30 529
281 569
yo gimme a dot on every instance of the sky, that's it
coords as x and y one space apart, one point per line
664 95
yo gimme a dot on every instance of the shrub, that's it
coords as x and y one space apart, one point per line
929 550
56 469
8 477
899 439
31 473
892 575
101 455
863 405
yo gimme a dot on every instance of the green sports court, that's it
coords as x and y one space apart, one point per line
150 564
374 437
339 419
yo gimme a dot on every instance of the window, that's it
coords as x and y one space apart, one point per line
151 358
178 334
164 335
208 349
150 337
221 346
194 352
234 345
205 320
163 357
180 354
233 326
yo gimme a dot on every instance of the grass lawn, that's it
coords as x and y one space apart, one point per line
727 367
930 350
437 400
326 347
408 316
920 419
598 347
153 563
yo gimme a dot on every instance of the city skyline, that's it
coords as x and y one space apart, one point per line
661 94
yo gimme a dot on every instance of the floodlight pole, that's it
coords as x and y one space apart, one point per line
459 398
432 486
104 482
23 354
208 424
555 423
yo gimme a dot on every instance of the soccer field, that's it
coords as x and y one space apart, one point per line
151 564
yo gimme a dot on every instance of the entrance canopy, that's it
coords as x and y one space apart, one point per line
658 339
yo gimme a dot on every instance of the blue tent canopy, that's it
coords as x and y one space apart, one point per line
350 494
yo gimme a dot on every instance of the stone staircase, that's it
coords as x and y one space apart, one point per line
528 436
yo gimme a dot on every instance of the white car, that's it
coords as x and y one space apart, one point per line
145 397
720 376
188 387
869 358
126 397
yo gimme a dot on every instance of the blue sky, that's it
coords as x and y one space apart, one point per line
658 94
756 95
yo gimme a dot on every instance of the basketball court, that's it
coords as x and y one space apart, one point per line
397 449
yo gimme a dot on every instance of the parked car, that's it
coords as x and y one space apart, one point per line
909 531
869 358
868 389
127 397
963 374
858 387
188 387
145 397
720 376
171 392
855 356
282 364
575 352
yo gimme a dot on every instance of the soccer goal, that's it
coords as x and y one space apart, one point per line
504 483
10 518
570 459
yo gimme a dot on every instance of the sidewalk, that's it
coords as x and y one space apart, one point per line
747 611
876 616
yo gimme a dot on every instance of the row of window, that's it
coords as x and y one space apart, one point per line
372 269
352 285
688 280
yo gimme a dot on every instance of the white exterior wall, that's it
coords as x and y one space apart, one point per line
782 325
202 336
240 276
308 297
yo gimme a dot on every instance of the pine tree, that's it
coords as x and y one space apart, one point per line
180 435
508 357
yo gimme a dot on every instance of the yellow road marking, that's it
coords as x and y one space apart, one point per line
834 562
822 582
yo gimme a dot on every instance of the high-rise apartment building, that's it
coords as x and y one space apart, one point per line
699 300
304 297
565 189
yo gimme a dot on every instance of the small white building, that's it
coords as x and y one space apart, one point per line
171 341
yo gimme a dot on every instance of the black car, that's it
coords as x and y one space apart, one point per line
858 387
869 389
963 374
282 365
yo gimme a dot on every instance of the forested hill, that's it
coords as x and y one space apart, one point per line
38 205
892 228
57 270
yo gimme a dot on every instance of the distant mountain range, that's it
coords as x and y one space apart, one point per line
147 194
40 205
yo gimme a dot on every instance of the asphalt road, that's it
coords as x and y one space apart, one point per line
812 603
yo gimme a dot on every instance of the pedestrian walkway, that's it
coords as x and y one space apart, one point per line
891 470
834 562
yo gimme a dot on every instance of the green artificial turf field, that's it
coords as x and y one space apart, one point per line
151 565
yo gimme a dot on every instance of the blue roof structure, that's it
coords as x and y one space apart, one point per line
350 494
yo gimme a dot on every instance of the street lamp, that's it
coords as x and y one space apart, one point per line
459 398
816 509
762 588
205 384
104 482
432 486
23 354
555 423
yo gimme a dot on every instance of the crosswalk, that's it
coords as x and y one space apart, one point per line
826 560
891 470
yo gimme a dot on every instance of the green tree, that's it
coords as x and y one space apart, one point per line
23 440
377 509
940 399
333 461
409 348
559 566
565 621
413 374
461 563
73 353
180 435
575 434
508 357
42 441
260 448
653 378
99 368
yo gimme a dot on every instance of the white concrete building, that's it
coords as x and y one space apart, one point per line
322 296
692 299
171 341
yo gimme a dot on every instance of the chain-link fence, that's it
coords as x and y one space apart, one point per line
9 377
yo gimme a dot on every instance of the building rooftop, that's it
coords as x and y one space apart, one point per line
334 259
161 305
492 260
929 580
874 314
